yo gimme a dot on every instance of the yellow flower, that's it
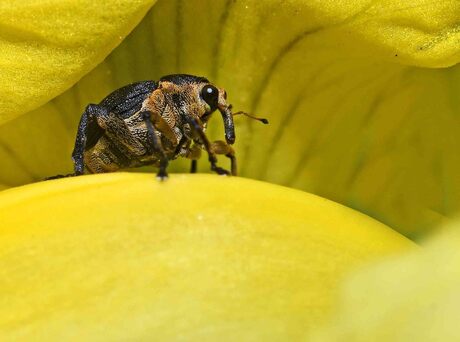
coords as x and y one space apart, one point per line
360 111
362 98
122 256
411 298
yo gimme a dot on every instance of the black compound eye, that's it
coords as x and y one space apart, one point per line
210 95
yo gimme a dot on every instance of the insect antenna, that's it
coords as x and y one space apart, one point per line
263 120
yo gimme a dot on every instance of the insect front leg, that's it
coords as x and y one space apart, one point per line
204 139
162 174
221 147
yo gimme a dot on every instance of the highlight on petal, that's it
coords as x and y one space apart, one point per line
124 256
414 297
419 33
47 46
353 116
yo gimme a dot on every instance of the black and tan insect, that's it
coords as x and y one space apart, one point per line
151 123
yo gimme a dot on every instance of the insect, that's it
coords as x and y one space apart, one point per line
151 123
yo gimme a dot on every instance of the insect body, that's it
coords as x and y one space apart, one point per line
150 123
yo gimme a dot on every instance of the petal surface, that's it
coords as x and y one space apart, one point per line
47 46
362 98
124 256
410 298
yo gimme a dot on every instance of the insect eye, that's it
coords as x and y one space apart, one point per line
210 95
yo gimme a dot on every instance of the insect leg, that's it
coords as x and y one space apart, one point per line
193 166
96 122
162 174
194 153
221 147
204 139
88 134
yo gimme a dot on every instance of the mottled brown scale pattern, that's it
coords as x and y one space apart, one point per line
151 123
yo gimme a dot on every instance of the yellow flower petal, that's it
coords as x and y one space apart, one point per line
45 47
354 117
123 256
410 298
419 33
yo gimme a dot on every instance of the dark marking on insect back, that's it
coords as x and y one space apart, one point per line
183 79
133 95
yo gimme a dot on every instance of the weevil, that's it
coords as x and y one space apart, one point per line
153 122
